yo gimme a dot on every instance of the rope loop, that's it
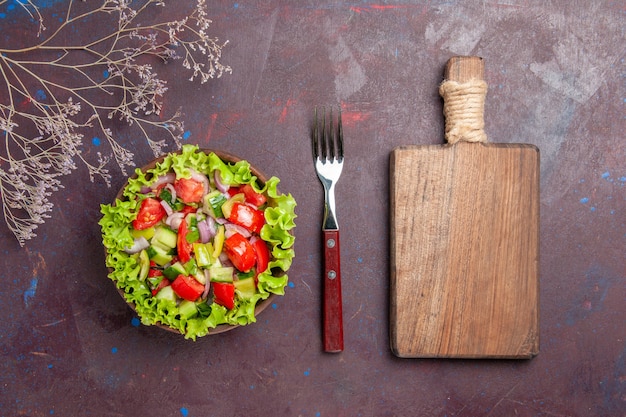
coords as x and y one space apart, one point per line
463 108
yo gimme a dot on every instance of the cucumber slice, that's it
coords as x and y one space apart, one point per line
144 263
145 233
174 270
221 273
187 309
167 293
159 254
200 277
165 236
191 267
245 288
213 204
227 207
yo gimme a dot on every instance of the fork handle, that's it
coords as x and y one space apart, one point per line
333 316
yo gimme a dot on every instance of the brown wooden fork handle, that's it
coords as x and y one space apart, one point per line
333 319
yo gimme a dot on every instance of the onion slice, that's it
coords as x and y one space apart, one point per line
139 244
167 208
218 182
170 187
232 228
168 178
207 286
174 220
224 259
212 225
205 231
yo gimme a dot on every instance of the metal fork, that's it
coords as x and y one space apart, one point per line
328 156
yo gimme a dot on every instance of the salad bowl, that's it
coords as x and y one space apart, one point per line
199 241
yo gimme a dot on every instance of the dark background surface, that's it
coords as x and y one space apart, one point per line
70 346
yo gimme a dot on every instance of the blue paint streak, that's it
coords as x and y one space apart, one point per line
584 200
184 412
48 3
186 135
40 95
29 294
606 175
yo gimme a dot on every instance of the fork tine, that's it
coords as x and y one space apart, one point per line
327 137
324 135
339 136
316 134
331 136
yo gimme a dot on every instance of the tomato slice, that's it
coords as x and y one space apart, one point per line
240 252
232 190
150 213
262 254
188 209
187 287
183 246
248 217
252 196
164 283
224 294
189 190
154 272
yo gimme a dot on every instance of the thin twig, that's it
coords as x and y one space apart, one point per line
48 94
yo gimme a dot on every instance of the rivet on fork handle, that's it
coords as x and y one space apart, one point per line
333 322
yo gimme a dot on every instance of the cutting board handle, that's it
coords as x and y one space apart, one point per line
464 91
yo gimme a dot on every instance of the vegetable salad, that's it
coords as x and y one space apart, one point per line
197 242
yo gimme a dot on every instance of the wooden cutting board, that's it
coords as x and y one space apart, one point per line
464 237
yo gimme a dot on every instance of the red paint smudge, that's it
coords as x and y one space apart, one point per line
220 125
24 103
378 7
351 118
211 127
283 113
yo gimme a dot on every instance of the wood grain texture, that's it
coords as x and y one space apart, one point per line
464 245
465 68
464 251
